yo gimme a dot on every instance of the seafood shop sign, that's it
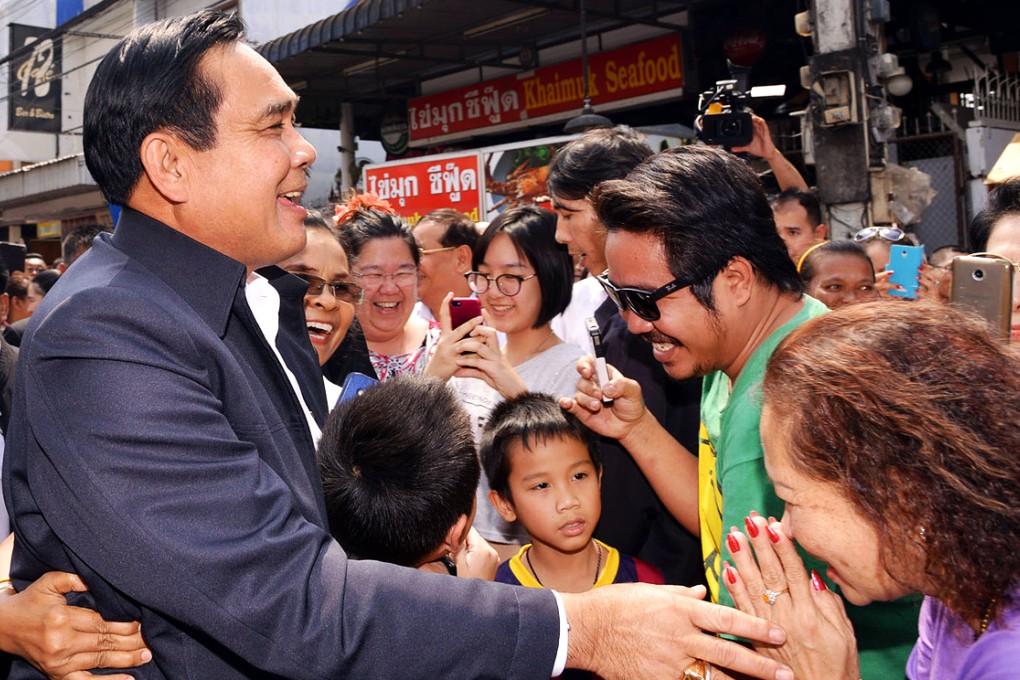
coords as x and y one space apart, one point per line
418 186
641 70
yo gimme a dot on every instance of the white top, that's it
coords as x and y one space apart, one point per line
553 372
264 302
587 296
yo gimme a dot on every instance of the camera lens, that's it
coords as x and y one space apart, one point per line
978 274
732 127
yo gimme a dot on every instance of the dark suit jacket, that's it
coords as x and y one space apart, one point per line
167 461
8 366
12 333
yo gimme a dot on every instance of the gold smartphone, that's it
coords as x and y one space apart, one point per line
985 285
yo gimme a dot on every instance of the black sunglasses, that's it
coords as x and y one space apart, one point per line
641 302
341 290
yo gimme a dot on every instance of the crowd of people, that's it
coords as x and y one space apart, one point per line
788 471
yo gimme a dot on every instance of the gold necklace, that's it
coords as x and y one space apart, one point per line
598 563
541 344
985 619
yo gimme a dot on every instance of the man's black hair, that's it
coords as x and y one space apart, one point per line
5 277
533 233
399 467
804 198
46 279
527 419
151 81
706 206
35 256
597 155
459 228
80 240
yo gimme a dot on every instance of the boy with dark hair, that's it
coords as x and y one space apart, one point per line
543 469
399 471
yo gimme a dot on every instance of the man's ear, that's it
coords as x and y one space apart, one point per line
5 302
457 534
463 259
504 507
820 231
738 277
165 159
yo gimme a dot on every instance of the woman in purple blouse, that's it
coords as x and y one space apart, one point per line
892 432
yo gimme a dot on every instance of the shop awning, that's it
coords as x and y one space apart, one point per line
377 52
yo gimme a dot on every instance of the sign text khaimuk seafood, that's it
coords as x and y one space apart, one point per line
637 70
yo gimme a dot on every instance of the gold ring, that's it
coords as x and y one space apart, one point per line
698 670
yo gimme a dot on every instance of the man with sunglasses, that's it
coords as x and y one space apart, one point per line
633 517
698 270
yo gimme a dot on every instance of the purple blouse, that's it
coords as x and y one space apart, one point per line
946 649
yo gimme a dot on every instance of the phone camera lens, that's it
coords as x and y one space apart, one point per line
978 274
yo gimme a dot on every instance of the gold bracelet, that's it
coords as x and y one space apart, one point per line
5 584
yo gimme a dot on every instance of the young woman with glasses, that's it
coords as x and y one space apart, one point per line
523 279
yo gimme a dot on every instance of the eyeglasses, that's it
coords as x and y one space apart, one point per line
374 280
891 234
508 284
341 290
996 256
428 251
641 302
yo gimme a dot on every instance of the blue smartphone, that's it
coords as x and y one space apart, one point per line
905 263
354 384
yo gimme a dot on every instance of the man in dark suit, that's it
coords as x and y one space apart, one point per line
168 400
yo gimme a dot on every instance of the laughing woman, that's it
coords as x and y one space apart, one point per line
891 432
384 262
331 296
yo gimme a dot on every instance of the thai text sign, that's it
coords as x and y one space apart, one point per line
417 187
34 101
633 71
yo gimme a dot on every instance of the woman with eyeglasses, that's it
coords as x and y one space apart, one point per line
909 484
331 296
523 279
384 263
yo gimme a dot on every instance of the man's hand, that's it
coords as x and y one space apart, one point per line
635 630
762 146
63 641
617 421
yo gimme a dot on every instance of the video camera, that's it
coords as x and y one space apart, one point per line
725 119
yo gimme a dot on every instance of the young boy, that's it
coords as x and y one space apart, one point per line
543 469
399 472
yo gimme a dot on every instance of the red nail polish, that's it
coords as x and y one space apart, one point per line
773 536
733 543
731 574
816 582
752 528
